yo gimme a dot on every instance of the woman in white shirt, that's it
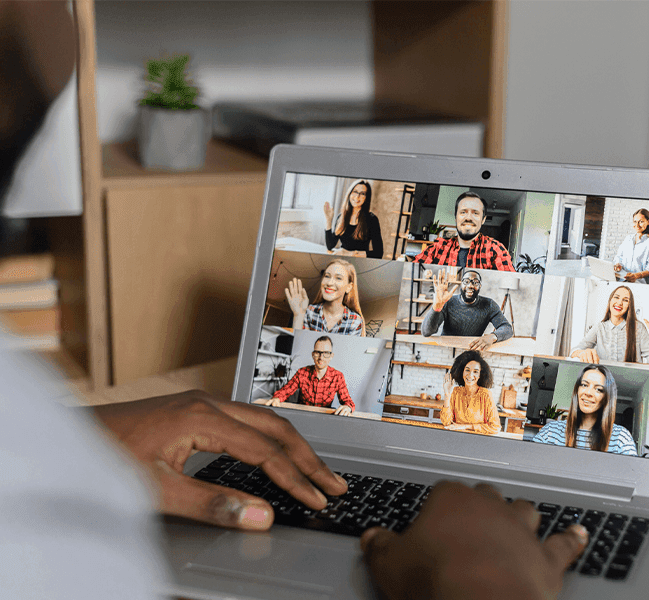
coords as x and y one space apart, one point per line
618 336
633 253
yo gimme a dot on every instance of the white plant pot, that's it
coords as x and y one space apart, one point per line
432 237
173 140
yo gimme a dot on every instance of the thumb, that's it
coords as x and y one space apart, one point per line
374 542
563 548
185 496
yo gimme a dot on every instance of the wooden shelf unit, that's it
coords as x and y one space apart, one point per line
166 258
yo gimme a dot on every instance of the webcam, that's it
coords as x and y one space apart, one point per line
486 174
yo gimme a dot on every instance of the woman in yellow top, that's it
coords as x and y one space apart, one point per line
469 407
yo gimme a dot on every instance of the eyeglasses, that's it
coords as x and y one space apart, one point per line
325 354
474 282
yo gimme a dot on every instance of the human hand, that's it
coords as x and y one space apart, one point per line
617 267
483 342
442 292
429 560
329 215
298 300
343 411
448 388
631 277
273 402
589 355
163 432
457 427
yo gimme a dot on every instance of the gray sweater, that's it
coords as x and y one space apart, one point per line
465 319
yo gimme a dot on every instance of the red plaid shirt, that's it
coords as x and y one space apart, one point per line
484 253
314 391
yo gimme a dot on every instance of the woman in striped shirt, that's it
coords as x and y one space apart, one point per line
336 308
590 423
618 336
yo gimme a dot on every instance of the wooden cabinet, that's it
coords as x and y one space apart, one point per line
167 258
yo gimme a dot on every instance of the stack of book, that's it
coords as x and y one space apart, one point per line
29 306
365 125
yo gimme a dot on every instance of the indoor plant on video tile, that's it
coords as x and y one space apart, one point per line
173 129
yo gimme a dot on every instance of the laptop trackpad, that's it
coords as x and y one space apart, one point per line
268 559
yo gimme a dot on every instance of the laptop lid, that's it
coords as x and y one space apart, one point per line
395 375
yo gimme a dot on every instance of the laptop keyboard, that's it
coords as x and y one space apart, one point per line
615 539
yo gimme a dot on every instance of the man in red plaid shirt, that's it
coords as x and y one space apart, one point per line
318 383
470 248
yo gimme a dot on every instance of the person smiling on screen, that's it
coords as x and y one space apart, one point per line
470 248
466 314
357 229
618 336
590 423
319 383
469 406
633 253
336 308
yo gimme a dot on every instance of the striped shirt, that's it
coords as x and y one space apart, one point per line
609 341
314 391
351 323
484 253
554 433
477 410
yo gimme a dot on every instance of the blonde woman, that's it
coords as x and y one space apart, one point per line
336 308
357 229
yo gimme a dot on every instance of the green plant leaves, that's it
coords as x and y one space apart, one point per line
168 87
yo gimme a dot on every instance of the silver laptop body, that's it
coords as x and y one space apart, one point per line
287 563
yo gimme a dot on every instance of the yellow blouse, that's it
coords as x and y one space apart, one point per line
477 410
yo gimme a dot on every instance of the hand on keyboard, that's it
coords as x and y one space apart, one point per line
163 432
470 543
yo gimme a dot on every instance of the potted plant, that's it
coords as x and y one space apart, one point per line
527 265
434 229
174 130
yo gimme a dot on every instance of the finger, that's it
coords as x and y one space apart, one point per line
527 514
374 541
563 548
185 496
299 453
488 491
218 432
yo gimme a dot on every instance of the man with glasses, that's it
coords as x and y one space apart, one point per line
318 383
465 314
470 248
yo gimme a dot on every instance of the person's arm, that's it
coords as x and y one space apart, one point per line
437 311
376 240
501 260
285 391
508 562
585 350
502 327
491 426
643 341
625 444
331 239
343 396
162 433
432 321
551 433
447 415
298 301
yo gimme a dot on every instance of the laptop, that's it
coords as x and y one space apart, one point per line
394 374
604 269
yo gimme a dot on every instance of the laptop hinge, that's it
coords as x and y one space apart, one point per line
489 471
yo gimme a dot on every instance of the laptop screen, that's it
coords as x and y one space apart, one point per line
476 310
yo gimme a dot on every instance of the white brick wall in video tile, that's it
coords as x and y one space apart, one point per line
618 223
416 380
